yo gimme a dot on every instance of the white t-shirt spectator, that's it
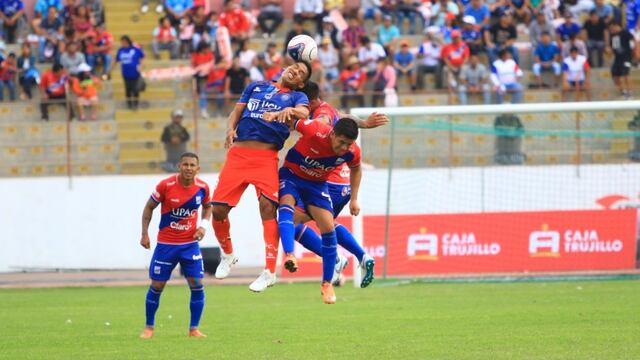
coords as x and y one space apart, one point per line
328 58
311 6
575 68
246 58
431 53
371 55
505 72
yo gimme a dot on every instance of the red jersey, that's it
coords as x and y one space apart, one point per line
312 157
53 85
235 21
456 54
180 204
340 175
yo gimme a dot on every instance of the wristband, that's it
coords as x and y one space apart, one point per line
204 223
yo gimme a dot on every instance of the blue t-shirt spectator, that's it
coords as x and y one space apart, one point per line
11 7
470 35
633 13
404 59
42 6
386 35
605 11
179 6
479 14
130 58
547 52
565 31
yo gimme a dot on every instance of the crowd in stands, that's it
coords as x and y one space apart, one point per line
470 47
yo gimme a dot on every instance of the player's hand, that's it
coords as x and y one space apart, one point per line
145 242
374 120
270 116
285 115
354 207
199 235
231 137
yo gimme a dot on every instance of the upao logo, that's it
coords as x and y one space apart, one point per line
544 243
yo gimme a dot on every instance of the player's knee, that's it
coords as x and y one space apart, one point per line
158 285
267 209
219 212
194 282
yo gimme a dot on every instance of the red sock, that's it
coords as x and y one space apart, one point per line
222 231
271 242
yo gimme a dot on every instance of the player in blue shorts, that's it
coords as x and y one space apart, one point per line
181 196
304 177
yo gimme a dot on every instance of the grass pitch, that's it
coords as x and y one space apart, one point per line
555 320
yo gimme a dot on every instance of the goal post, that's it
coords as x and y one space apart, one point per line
451 189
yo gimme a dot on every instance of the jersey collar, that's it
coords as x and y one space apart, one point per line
280 87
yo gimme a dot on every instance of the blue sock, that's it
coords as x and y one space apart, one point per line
309 239
196 305
285 225
347 241
329 254
152 304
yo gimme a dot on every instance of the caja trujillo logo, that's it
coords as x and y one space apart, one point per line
550 243
422 246
544 243
430 246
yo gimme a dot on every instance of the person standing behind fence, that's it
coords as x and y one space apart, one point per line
130 57
174 137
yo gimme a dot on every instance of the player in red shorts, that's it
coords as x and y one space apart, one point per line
180 195
252 159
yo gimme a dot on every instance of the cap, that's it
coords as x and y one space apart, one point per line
84 67
455 33
468 19
177 113
327 20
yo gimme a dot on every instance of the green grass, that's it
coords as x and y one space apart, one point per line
538 320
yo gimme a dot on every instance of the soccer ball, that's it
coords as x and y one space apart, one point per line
303 48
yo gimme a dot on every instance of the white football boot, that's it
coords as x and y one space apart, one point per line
341 264
366 267
265 280
224 268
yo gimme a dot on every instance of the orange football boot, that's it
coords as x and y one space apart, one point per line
196 333
328 295
147 333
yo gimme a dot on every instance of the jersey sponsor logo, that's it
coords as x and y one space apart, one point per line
317 165
180 227
197 257
253 104
184 213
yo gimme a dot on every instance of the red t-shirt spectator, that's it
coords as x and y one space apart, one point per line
103 38
457 54
164 34
235 21
353 79
53 84
7 71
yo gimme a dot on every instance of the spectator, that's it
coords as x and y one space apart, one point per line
388 7
101 51
41 8
187 29
235 81
270 12
500 36
72 58
8 71
82 23
454 55
96 9
256 73
369 54
621 45
594 30
165 37
440 9
202 62
274 61
546 58
200 26
604 11
175 138
384 81
236 21
567 28
388 35
50 33
353 81
330 32
520 10
505 75
408 9
405 64
68 11
145 6
176 10
84 86
429 54
329 59
370 9
471 36
28 74
130 58
52 90
351 37
474 79
309 10
537 27
12 17
574 42
479 11
575 75
296 30
246 56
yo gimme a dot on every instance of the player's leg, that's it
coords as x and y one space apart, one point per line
222 230
163 261
286 227
193 268
324 220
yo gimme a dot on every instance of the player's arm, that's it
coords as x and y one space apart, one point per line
147 213
288 114
232 123
373 121
355 177
207 209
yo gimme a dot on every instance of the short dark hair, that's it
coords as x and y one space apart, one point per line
312 90
309 69
346 127
189 155
56 67
573 48
126 39
364 39
502 52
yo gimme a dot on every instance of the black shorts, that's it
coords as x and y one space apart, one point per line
620 67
